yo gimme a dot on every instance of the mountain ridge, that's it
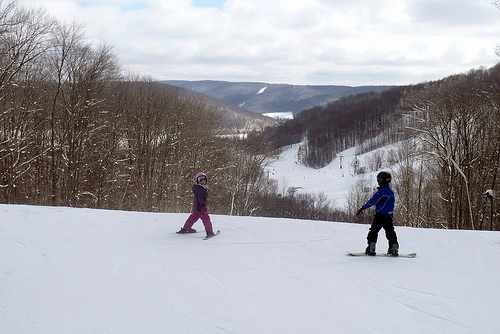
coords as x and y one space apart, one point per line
265 98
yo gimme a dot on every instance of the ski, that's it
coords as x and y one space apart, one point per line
216 233
410 255
183 233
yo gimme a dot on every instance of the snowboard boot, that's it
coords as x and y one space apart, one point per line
370 250
182 231
393 250
210 234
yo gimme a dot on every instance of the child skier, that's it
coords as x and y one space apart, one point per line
384 210
199 207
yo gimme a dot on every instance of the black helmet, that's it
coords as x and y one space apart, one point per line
383 178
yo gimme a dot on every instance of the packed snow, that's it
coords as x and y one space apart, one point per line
67 270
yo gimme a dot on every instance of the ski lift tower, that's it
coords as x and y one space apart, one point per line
354 165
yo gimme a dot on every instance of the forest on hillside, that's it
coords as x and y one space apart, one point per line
446 164
75 130
353 120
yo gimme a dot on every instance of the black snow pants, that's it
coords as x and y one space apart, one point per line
382 221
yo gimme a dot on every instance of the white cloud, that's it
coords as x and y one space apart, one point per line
354 42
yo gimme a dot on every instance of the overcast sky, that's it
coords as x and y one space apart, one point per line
316 42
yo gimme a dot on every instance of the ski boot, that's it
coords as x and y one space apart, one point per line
393 250
370 250
182 231
210 234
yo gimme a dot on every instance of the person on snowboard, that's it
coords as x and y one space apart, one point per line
384 210
199 207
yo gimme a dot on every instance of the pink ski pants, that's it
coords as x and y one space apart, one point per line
193 218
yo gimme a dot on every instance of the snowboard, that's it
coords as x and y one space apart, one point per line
215 234
411 255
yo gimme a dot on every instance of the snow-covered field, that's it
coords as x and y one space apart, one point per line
69 270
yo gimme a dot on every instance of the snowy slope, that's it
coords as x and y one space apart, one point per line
69 270
331 180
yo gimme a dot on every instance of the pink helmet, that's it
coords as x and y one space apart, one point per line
200 176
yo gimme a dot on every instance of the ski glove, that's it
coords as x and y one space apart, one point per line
204 209
359 211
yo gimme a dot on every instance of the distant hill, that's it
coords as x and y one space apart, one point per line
235 117
266 98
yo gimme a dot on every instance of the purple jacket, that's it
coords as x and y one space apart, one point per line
200 197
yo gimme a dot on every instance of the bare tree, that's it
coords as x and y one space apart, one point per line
358 195
79 75
451 120
23 39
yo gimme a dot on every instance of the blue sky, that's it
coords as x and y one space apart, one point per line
135 6
316 42
209 3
